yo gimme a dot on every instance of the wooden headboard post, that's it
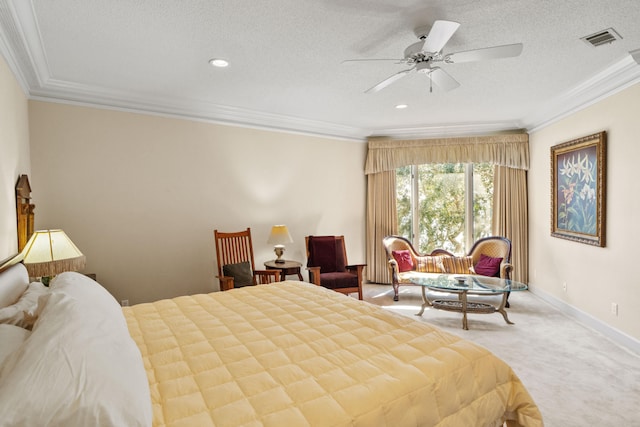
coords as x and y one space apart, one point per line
25 211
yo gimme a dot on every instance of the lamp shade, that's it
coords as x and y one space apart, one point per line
279 235
51 252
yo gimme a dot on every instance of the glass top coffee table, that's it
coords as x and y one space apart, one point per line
464 285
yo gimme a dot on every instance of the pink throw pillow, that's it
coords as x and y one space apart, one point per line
404 260
488 266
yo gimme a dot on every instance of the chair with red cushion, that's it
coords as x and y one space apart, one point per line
328 266
492 257
401 257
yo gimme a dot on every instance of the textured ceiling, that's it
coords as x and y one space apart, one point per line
286 58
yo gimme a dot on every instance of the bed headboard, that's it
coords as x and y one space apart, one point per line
25 211
25 220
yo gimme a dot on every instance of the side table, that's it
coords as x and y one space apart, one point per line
286 268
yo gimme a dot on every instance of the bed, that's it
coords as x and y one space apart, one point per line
284 354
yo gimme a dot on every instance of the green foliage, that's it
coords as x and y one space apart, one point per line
441 204
482 199
441 207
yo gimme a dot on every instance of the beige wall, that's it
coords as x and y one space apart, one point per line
140 195
595 277
14 155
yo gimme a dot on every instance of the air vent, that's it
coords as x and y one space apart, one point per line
602 37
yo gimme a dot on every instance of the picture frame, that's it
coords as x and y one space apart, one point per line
578 189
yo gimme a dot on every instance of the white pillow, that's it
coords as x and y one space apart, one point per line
11 338
13 283
89 293
28 302
79 367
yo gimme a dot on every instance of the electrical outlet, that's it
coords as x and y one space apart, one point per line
614 308
564 286
124 302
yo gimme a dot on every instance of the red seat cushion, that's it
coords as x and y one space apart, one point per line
339 280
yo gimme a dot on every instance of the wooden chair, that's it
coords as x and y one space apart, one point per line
328 266
236 266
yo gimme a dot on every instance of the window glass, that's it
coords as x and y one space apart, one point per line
482 199
432 205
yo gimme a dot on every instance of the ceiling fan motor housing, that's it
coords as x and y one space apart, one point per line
423 67
413 50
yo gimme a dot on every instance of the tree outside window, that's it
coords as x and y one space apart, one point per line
446 206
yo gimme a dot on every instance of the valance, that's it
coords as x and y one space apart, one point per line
511 150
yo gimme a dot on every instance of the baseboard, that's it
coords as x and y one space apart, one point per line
615 335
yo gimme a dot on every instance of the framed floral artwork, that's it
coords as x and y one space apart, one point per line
578 189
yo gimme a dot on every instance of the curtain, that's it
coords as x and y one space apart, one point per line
382 220
510 216
385 155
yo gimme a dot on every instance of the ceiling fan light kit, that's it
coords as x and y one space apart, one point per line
219 62
422 54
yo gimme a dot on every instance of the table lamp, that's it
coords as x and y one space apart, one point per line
278 237
51 252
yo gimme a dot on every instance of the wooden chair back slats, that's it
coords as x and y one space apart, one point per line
233 248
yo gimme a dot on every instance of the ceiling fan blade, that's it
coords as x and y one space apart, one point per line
496 52
440 33
386 82
399 61
442 79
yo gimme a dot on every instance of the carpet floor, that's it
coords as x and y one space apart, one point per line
576 375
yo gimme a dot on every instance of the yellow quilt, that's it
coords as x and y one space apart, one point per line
295 354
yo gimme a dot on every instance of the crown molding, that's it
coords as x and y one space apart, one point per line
21 46
610 81
12 48
80 94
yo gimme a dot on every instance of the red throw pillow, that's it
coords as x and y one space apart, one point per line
488 266
404 260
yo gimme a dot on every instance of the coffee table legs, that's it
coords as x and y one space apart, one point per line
501 309
462 306
426 303
463 299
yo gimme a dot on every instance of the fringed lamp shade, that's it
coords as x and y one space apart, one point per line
51 252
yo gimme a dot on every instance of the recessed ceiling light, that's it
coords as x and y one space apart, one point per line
401 106
217 62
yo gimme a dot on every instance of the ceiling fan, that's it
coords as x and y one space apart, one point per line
423 54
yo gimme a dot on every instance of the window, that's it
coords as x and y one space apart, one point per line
446 206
